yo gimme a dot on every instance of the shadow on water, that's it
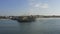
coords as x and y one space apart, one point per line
26 21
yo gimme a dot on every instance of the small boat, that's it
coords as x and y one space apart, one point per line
26 19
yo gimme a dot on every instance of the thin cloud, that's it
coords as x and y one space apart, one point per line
37 8
45 5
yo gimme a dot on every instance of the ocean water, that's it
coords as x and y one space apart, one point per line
40 26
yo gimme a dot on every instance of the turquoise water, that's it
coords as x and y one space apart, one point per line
40 26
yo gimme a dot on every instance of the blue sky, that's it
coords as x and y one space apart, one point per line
28 7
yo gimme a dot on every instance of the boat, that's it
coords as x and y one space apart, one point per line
26 19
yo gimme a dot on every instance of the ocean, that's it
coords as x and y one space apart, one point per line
40 26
